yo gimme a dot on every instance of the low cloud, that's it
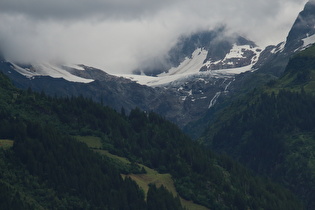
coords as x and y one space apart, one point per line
119 35
82 9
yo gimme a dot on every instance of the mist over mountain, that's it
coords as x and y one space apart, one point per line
200 68
247 102
199 71
119 37
217 42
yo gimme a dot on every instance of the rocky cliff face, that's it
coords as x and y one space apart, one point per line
303 29
302 34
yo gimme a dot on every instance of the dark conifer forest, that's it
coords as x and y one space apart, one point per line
46 168
272 130
258 154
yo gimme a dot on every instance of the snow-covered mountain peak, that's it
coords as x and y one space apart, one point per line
238 59
206 55
238 56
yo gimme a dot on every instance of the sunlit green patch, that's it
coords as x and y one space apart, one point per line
6 144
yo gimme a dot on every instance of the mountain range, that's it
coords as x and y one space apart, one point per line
243 102
73 153
197 73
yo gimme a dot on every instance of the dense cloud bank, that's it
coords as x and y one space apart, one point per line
119 35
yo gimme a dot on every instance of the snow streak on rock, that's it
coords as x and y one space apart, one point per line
218 94
214 99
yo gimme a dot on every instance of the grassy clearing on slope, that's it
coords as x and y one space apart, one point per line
154 177
6 144
115 157
143 180
91 141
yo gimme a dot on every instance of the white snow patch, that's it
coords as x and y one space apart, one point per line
165 79
227 86
279 49
237 51
308 41
25 72
233 71
150 80
189 65
190 93
46 69
190 68
179 89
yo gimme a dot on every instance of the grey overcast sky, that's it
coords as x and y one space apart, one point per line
119 35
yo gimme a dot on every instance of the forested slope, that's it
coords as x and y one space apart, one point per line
272 130
48 169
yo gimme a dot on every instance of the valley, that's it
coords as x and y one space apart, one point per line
46 155
217 122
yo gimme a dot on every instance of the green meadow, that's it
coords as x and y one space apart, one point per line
143 180
6 144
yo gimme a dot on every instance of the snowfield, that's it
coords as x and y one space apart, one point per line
308 41
190 68
55 71
166 79
189 65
